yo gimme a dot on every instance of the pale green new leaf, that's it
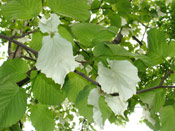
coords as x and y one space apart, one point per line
13 101
42 118
21 9
87 33
77 9
73 85
167 118
13 70
47 92
120 78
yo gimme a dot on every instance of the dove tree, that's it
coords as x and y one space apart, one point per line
94 60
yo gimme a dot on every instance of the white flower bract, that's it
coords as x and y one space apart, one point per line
93 99
55 59
147 116
116 104
120 78
49 25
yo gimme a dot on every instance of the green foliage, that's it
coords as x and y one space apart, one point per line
13 102
42 118
13 70
84 33
46 91
21 9
77 9
167 117
81 103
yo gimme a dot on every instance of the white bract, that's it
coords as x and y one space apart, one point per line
146 115
49 25
116 104
93 99
120 78
55 59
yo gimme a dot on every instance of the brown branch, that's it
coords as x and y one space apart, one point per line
156 87
160 85
165 76
28 58
27 79
19 44
87 78
135 38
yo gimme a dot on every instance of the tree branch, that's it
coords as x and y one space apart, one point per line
23 35
165 76
160 85
156 87
19 44
87 78
135 38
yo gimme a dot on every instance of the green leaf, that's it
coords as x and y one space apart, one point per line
47 92
81 103
154 96
13 101
21 9
95 6
36 42
77 9
115 20
65 33
156 45
102 49
88 33
119 50
73 85
13 70
167 118
170 50
42 118
105 110
123 7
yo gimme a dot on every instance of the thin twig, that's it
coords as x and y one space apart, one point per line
156 87
165 76
135 38
87 78
20 44
28 58
23 35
